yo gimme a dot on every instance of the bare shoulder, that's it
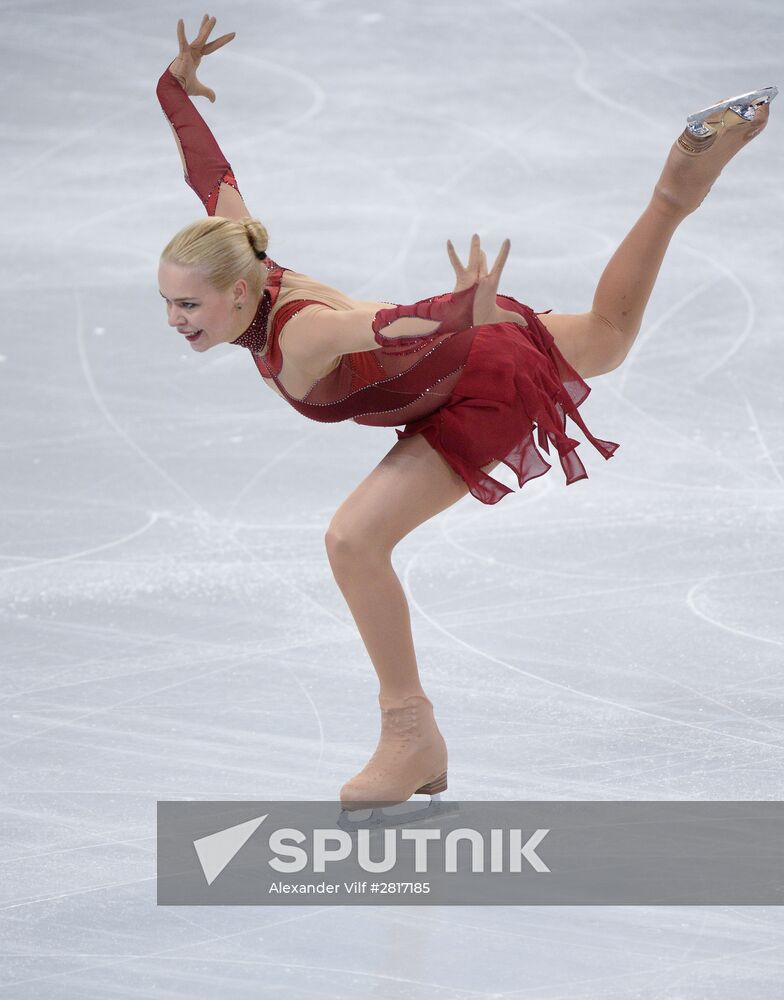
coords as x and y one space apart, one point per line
300 341
295 285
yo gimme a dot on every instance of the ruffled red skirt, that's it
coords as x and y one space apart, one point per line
515 380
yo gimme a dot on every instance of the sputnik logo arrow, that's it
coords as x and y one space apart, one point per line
217 849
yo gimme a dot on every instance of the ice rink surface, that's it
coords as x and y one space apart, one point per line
171 627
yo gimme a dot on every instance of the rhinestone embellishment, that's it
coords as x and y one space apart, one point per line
255 337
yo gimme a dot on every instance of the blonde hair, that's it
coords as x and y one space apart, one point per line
224 250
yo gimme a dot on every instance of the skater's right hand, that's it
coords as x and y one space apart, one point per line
185 65
485 307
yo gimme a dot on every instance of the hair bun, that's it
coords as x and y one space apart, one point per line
257 236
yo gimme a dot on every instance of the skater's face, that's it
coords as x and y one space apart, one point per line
200 313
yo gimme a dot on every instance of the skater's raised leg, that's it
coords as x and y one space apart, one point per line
627 282
598 341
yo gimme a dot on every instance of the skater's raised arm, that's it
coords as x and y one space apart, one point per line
205 167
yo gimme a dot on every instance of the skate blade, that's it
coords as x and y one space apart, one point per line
744 103
382 818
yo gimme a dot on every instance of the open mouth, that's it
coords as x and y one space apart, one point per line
193 336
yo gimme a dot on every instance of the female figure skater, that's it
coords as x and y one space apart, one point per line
470 374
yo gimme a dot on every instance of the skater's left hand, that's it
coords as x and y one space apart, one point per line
187 62
485 307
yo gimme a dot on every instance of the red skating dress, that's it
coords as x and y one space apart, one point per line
475 393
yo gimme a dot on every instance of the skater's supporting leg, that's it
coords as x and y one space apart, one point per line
411 484
378 605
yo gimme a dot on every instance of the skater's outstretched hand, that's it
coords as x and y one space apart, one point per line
485 308
187 62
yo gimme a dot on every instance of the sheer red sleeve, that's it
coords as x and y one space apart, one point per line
453 309
206 168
